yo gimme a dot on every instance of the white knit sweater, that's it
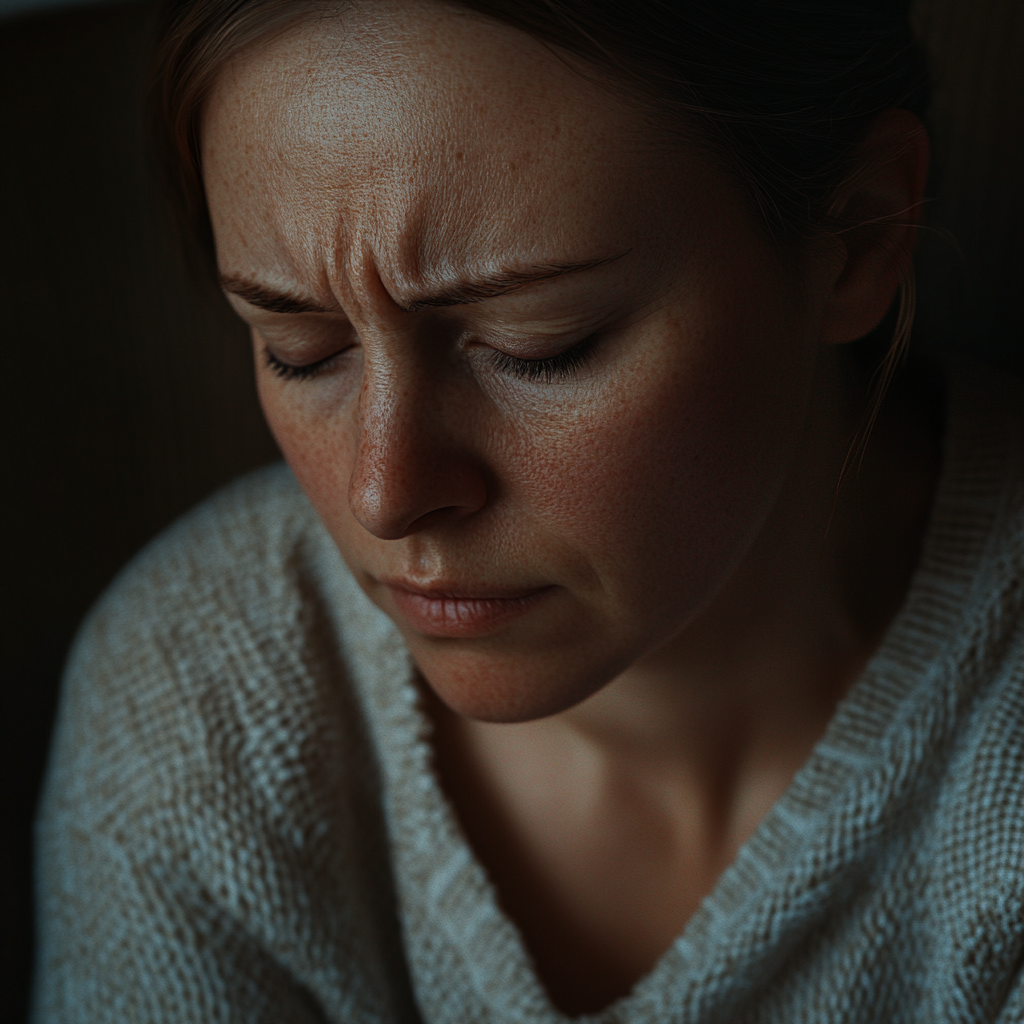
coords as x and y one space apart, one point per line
241 821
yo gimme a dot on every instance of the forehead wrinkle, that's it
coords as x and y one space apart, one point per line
362 247
429 232
409 176
392 250
355 275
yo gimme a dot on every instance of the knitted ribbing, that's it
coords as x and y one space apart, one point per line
242 823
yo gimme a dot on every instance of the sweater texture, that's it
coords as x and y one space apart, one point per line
241 821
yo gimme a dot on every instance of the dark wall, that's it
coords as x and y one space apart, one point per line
971 258
127 384
127 390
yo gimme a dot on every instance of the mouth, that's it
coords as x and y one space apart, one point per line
462 612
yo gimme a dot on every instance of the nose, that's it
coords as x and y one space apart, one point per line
410 469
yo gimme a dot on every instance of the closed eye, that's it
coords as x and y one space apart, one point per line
549 369
286 371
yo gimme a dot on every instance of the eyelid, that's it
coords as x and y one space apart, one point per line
303 371
561 365
561 329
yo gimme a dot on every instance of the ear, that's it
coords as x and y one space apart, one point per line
881 202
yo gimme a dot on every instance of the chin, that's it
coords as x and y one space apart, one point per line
510 688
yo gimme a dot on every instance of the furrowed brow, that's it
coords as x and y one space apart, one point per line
479 289
473 290
270 299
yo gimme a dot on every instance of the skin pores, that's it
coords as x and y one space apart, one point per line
373 164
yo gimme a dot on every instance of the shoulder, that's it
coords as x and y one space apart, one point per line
974 558
231 552
975 606
214 595
977 527
984 509
210 631
211 795
200 642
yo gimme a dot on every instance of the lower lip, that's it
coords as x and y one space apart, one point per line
462 617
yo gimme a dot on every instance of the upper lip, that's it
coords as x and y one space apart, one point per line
455 591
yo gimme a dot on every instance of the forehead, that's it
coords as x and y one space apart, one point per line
425 134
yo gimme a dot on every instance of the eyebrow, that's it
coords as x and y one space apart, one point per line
465 293
269 299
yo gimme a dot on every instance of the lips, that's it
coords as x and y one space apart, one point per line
462 612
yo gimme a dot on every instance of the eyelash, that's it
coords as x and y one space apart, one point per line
565 364
288 372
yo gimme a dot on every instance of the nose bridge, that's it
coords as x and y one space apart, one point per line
411 461
389 402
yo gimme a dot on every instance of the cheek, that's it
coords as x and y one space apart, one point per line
317 443
667 478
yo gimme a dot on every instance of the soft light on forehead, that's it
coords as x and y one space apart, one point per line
422 136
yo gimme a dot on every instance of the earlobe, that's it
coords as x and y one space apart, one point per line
877 212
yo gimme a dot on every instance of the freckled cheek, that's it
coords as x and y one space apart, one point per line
319 448
662 484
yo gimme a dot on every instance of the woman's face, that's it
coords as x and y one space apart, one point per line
535 367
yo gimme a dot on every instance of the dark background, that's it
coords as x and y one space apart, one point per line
127 384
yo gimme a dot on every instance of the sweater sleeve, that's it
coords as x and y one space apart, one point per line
129 929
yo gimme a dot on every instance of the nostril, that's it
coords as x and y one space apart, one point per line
439 516
393 498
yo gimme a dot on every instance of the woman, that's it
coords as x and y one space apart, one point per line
608 647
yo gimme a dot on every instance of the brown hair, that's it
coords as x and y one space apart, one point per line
782 90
